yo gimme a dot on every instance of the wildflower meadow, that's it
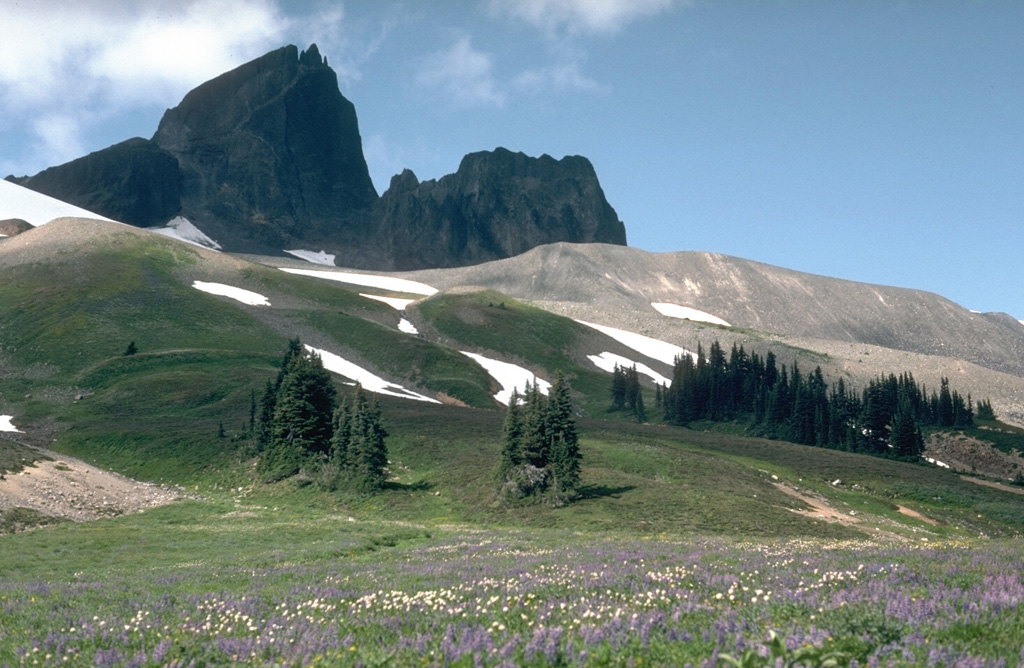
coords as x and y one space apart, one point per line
464 597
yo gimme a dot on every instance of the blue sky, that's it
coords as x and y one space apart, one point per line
879 141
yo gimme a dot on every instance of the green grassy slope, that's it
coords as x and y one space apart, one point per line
177 410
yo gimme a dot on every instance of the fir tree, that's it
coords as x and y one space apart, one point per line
305 404
618 388
359 451
907 441
564 445
302 402
512 438
265 416
535 440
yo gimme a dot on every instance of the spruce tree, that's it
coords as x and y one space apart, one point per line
341 438
265 417
618 388
303 405
373 470
907 441
511 438
564 445
535 429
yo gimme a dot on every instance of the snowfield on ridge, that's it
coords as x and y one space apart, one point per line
238 294
368 280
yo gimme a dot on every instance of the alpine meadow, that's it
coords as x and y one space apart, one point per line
253 412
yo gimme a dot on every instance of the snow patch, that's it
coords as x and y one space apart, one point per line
313 256
397 303
7 425
407 327
687 313
36 208
244 296
1021 322
936 462
182 229
645 345
370 281
510 376
370 381
608 361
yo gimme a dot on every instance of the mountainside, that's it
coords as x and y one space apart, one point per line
135 181
139 353
498 204
858 329
268 158
270 155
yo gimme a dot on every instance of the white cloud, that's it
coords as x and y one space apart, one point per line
66 68
560 76
580 16
462 74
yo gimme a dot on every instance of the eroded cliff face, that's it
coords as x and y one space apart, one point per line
268 157
498 204
271 156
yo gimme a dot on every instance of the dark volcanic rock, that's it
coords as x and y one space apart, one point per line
134 182
268 157
497 205
271 156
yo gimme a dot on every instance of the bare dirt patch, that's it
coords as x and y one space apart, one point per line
916 515
66 487
819 509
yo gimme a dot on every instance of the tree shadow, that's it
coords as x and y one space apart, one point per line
601 491
418 486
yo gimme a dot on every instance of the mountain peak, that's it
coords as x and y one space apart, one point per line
268 157
311 57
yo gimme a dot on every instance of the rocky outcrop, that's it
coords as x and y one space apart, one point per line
271 156
135 181
268 157
13 226
497 205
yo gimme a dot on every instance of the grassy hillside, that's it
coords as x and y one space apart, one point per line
683 543
178 410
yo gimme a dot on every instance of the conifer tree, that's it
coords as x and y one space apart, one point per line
358 446
302 403
265 416
305 404
535 439
564 445
512 438
341 438
618 388
907 441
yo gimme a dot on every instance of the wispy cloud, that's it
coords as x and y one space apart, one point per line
464 75
66 66
63 65
576 17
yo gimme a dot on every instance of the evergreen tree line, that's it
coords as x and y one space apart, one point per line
299 424
786 403
540 454
626 395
